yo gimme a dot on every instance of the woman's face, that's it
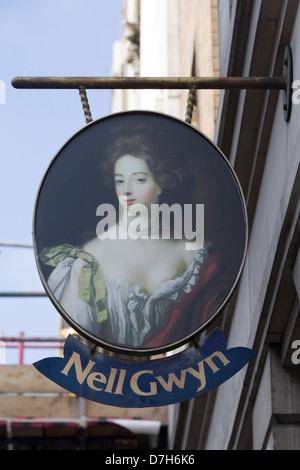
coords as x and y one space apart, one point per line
135 181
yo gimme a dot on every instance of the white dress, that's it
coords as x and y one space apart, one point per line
132 314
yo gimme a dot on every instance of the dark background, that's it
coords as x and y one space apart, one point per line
73 186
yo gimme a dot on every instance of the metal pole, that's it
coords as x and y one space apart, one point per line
192 83
262 83
21 348
15 245
23 294
31 339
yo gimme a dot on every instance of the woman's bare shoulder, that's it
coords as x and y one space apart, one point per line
100 249
93 246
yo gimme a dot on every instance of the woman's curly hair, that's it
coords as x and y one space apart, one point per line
164 158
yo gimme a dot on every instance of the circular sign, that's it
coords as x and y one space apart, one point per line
140 232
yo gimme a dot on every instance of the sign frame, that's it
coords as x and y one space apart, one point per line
136 351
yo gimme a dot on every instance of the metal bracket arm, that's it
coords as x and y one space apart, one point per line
204 83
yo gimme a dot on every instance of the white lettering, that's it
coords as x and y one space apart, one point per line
165 211
296 354
188 229
138 227
117 460
296 93
2 92
106 225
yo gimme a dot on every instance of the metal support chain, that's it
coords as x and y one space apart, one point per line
85 104
190 105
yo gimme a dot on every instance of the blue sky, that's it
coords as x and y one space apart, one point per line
42 38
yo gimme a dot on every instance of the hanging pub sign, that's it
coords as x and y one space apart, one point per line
140 235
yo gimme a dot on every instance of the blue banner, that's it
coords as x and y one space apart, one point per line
156 382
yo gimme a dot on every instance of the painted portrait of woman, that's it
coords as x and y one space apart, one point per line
158 260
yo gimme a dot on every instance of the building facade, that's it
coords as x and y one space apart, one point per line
259 408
